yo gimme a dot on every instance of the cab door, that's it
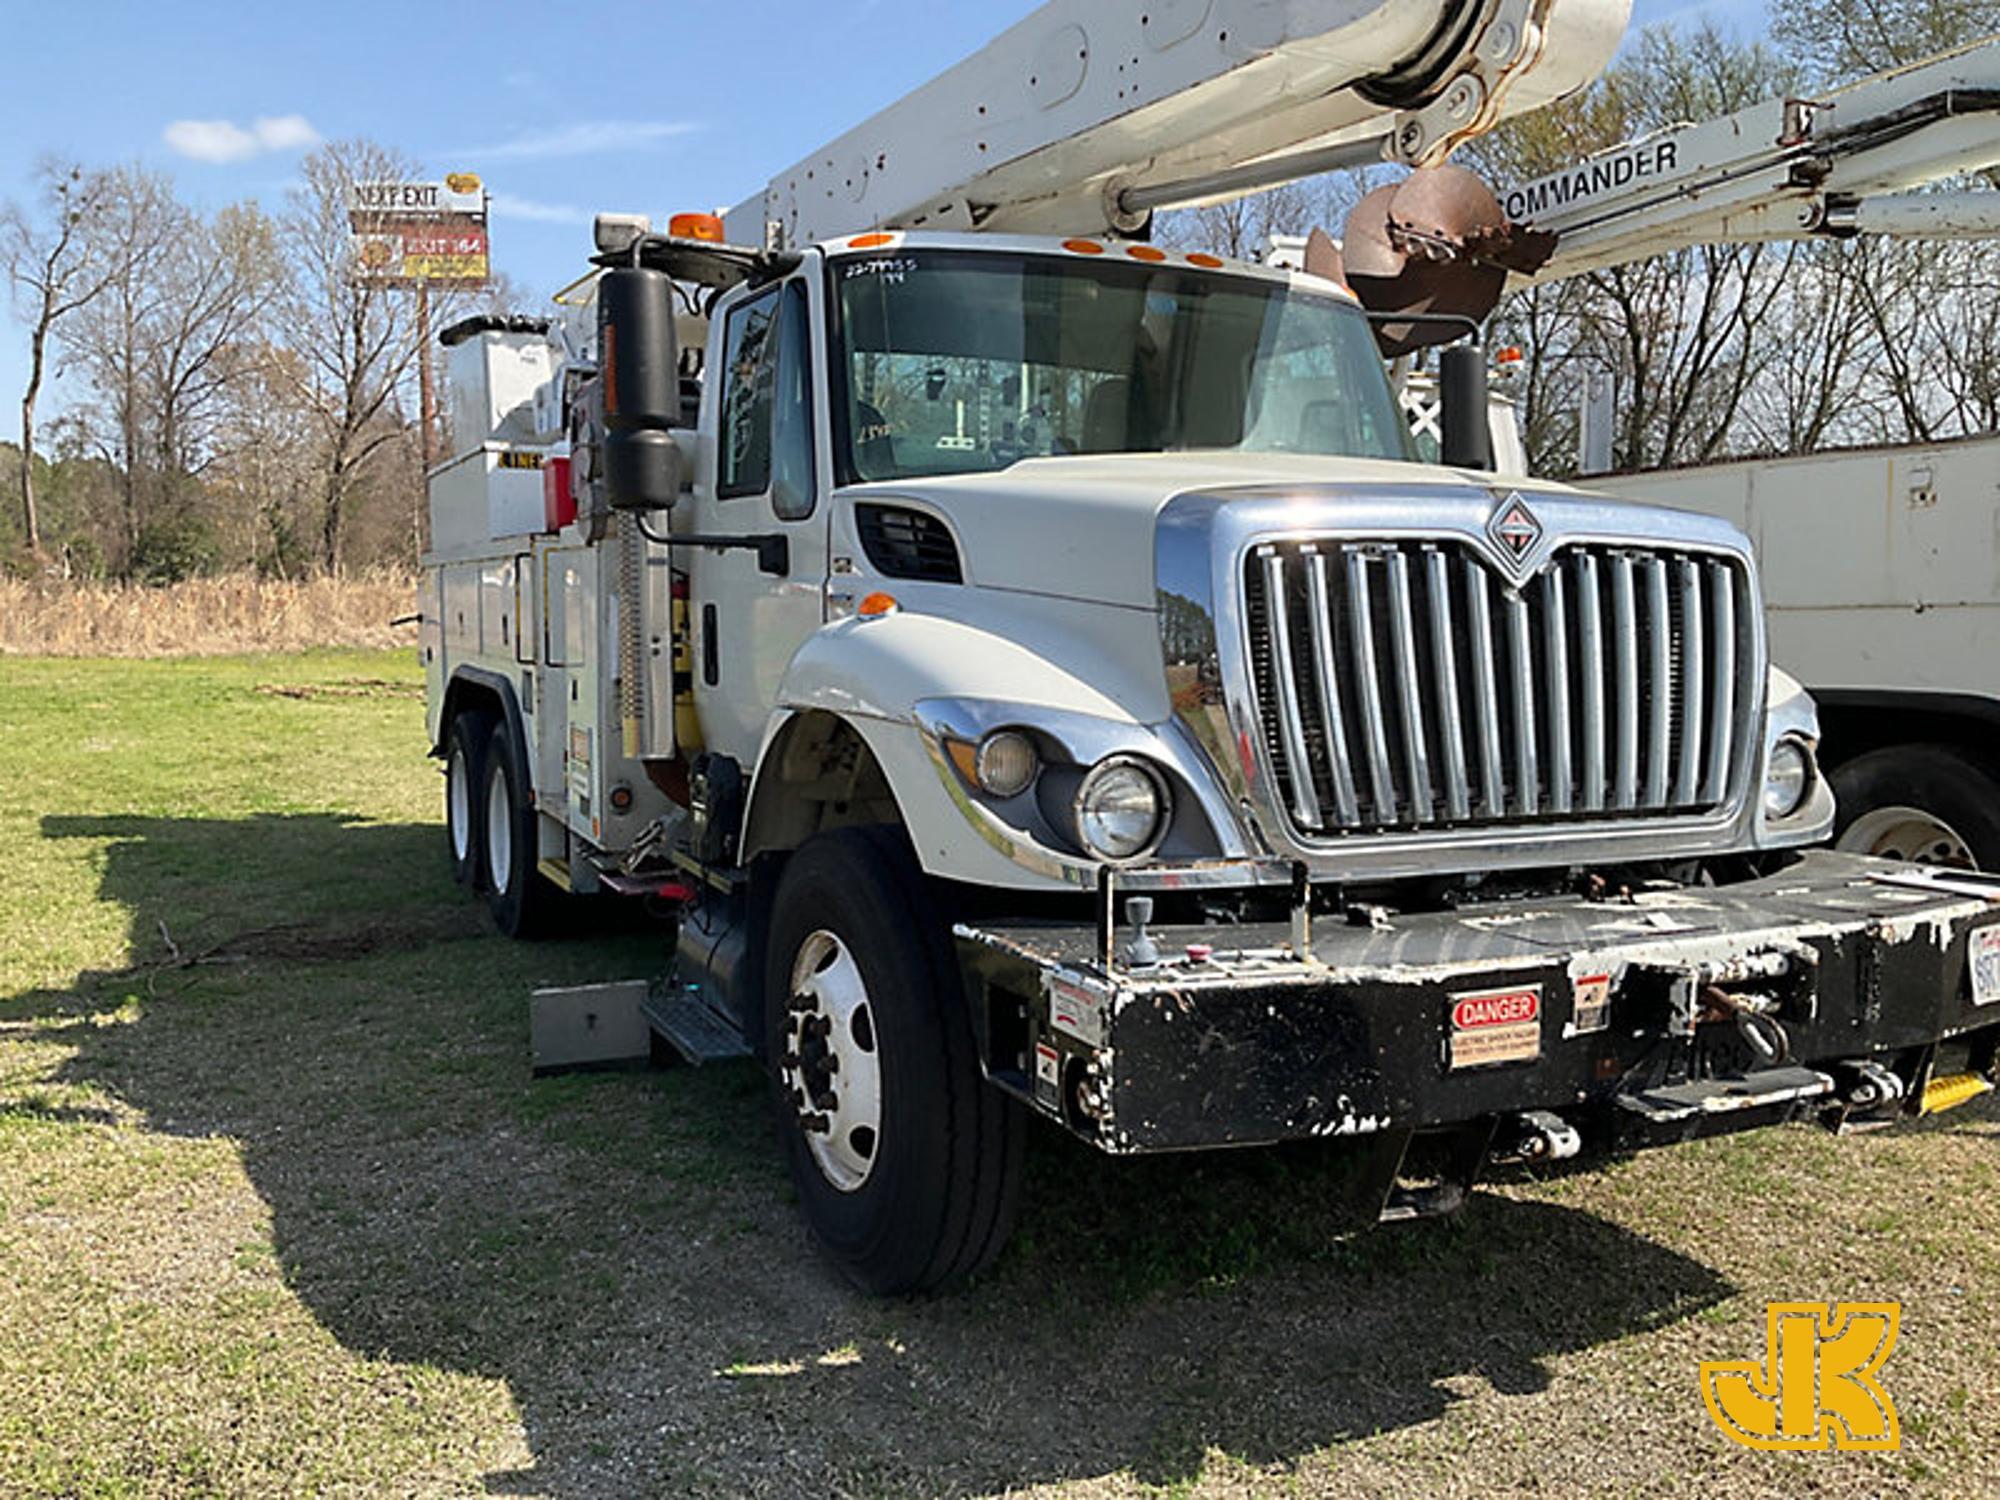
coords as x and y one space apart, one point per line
765 406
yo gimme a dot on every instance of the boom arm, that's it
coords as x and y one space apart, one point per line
1090 113
1784 169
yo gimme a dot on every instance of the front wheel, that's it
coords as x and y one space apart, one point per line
907 1162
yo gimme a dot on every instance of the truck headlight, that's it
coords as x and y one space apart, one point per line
1787 779
1122 808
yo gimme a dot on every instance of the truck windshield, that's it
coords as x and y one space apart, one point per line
958 361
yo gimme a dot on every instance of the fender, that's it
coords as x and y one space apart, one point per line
484 680
872 673
881 668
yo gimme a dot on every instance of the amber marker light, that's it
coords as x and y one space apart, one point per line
878 604
871 241
1152 255
695 227
1206 261
1083 247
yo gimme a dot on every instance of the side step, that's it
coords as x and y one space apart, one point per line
1674 1104
698 1033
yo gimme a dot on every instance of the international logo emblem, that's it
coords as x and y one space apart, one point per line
1515 530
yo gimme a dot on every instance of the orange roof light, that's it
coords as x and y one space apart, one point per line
1146 253
1083 247
1511 355
1206 261
696 227
877 605
871 241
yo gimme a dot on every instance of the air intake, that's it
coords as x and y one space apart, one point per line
904 543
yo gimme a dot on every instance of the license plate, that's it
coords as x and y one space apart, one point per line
1983 958
1496 1026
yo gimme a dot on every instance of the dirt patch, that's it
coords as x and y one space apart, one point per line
349 687
324 941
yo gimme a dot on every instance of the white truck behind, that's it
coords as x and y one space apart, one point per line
1882 584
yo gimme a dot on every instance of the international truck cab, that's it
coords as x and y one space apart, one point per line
1042 682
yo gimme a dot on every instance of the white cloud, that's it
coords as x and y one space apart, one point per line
507 206
226 141
582 138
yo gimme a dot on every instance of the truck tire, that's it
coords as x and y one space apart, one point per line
464 761
522 899
911 1178
1928 803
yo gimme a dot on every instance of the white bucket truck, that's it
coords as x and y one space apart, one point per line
1033 664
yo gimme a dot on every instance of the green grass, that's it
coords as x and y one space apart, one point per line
282 1211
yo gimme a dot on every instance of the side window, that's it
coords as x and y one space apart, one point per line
791 417
749 377
767 439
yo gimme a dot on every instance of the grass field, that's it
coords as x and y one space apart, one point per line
282 1212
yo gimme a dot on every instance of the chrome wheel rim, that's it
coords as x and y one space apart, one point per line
458 802
499 831
831 1068
1908 833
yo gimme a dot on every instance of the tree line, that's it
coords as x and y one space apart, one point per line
240 400
236 400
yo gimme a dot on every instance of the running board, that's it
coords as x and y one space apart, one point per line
1673 1104
698 1033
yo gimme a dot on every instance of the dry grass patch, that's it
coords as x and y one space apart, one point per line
204 616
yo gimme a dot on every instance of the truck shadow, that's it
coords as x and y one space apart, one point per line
621 1250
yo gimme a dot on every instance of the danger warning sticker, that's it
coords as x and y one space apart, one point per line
1590 1010
1496 1026
1048 1075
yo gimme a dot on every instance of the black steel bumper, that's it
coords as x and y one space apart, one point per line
1658 1017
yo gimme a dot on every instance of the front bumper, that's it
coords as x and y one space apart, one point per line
1636 1020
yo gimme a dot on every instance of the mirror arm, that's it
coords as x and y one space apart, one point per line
773 549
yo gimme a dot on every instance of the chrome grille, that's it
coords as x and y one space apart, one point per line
1408 685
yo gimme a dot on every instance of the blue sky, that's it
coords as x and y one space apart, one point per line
565 110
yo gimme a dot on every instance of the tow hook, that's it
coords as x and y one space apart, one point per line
1713 992
1537 1135
1870 1098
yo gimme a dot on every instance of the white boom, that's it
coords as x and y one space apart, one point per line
1784 169
1086 115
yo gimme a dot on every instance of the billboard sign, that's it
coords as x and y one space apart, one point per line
410 234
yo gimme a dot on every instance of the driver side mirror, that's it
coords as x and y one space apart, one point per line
639 361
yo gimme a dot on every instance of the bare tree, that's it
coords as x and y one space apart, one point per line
220 277
56 265
355 342
1836 42
111 338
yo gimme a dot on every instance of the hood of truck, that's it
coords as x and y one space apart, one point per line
1081 527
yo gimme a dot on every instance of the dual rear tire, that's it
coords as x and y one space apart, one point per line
490 824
